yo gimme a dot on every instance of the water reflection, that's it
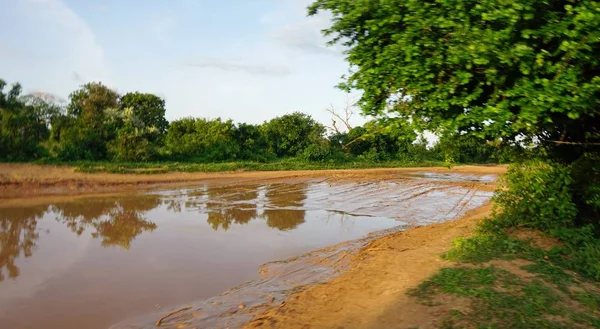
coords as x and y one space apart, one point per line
17 236
280 205
226 206
284 208
117 221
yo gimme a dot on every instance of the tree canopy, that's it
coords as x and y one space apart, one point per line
496 68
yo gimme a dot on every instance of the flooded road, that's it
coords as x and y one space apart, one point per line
93 262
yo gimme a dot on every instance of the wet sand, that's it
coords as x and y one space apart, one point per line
372 293
29 180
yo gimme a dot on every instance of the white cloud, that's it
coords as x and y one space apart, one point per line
292 29
64 27
237 65
306 35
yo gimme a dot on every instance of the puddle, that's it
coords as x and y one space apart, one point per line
95 262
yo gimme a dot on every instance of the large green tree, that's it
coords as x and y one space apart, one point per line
90 102
499 69
290 134
202 139
495 68
21 130
88 127
149 108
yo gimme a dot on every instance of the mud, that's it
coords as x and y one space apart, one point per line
94 261
28 180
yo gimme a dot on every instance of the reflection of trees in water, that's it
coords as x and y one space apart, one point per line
173 205
224 217
284 219
117 220
280 199
17 236
228 205
121 228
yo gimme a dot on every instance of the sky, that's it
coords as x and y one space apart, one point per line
246 60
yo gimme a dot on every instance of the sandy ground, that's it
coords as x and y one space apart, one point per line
372 293
20 180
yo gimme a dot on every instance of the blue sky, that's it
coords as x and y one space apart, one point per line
248 60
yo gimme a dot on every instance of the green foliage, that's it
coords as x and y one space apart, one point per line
94 126
134 138
468 148
538 195
148 108
380 140
501 299
89 126
290 134
21 131
77 142
252 143
586 189
494 68
316 152
195 166
202 139
46 108
90 102
483 248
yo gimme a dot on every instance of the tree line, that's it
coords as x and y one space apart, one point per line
99 124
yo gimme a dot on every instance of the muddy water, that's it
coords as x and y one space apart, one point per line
91 263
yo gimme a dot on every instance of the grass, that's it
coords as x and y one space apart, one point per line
549 296
284 164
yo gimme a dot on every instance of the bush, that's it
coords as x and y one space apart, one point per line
586 189
584 259
79 143
315 152
537 195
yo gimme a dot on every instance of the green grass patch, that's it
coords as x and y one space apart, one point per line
279 165
500 299
551 296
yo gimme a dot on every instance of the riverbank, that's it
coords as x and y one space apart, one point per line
19 180
372 292
450 275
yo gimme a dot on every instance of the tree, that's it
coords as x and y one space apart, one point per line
149 108
46 107
495 68
91 124
90 102
290 134
21 131
343 117
251 142
207 140
134 138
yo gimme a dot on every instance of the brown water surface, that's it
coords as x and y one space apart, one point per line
90 263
